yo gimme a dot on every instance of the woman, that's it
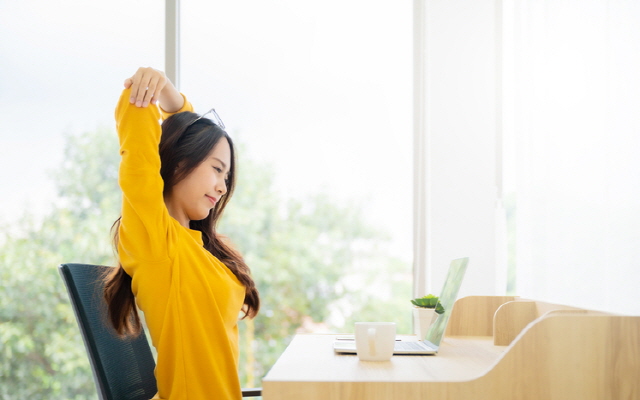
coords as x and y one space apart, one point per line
190 284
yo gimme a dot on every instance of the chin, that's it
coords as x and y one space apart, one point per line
200 216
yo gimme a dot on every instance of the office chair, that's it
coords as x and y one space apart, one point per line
122 368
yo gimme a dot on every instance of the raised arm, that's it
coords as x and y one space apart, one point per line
144 232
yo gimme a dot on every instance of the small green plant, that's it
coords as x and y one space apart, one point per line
428 301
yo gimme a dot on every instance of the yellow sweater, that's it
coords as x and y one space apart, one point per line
191 300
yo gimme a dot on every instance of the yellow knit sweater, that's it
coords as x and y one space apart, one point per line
191 300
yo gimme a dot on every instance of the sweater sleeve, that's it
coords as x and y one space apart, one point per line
145 233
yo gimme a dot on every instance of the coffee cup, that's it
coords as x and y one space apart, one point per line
375 340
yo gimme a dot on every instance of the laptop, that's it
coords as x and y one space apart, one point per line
430 344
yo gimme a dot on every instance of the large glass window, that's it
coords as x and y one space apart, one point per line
318 97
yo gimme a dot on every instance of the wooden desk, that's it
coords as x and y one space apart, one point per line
539 351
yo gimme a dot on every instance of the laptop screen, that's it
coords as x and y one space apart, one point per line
448 296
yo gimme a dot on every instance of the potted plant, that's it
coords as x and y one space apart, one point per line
425 311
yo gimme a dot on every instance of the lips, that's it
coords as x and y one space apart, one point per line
213 200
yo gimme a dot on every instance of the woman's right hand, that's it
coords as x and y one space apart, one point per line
149 86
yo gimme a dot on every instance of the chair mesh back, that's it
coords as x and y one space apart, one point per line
122 369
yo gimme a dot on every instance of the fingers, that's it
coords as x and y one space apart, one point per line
146 85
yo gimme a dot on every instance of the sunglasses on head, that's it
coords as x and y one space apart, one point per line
211 115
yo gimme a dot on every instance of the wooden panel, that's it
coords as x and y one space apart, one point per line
510 319
572 357
473 315
544 308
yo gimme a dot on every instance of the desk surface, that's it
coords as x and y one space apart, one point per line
311 358
310 362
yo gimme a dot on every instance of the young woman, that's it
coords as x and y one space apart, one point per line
176 180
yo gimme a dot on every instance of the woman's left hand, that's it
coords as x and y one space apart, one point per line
146 85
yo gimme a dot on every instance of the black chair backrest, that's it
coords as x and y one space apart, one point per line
122 368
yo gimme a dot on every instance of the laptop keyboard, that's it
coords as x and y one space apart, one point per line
409 346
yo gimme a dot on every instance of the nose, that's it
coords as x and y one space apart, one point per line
221 187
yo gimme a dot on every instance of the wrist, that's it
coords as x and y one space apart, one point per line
170 98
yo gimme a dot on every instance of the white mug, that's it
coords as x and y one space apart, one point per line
375 340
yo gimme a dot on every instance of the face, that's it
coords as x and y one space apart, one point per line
192 198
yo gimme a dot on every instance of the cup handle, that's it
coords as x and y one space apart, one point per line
371 335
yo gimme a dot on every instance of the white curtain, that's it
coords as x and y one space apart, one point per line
576 124
537 100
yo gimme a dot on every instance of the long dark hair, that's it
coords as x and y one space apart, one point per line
186 141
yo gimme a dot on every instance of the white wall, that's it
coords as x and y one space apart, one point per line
577 98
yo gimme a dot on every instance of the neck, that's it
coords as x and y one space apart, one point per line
176 213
